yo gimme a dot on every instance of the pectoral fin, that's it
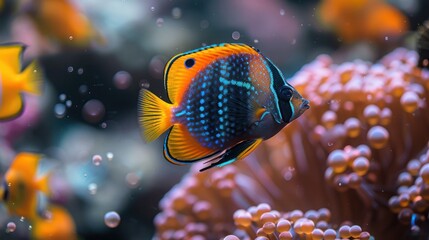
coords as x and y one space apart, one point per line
237 152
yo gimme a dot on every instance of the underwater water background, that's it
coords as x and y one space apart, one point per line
92 78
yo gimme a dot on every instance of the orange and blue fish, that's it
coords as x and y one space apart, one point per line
14 81
223 101
21 186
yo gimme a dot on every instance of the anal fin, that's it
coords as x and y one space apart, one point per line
237 152
11 105
180 147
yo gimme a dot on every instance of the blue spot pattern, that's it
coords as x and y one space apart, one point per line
215 109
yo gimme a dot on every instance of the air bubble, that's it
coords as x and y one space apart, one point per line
176 13
70 69
93 111
410 101
60 110
132 179
235 35
282 12
378 137
109 156
144 84
96 160
10 227
92 187
112 219
62 97
80 71
160 22
122 80
152 9
70 38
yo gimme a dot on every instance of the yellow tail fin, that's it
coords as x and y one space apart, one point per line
154 115
32 78
43 184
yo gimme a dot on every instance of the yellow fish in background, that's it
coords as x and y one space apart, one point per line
14 81
363 20
58 226
21 185
62 21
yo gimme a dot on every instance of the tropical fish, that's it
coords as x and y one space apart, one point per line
423 45
63 22
363 20
14 82
21 185
223 101
58 225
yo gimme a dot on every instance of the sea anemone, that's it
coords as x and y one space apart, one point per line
366 125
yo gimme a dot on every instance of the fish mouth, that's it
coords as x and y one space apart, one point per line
305 104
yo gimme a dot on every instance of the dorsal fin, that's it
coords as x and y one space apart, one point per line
182 68
26 163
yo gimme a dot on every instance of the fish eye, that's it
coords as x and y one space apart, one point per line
286 93
190 62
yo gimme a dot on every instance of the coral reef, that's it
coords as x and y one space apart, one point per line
366 128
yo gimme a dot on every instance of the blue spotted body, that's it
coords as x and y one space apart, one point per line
225 99
215 109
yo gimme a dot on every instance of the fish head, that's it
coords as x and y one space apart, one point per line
291 103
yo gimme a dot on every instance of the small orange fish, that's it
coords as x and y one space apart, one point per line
224 100
59 225
363 20
20 186
62 21
14 82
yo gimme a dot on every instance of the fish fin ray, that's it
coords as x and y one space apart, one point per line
11 106
177 76
32 77
181 148
237 152
154 115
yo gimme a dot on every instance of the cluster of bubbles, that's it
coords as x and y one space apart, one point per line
261 222
347 166
411 201
193 210
60 109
